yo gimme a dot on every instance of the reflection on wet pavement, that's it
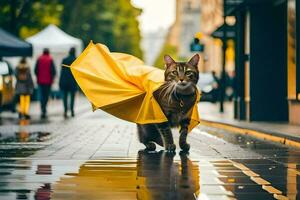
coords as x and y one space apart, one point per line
277 169
221 165
23 137
151 176
155 175
35 120
22 143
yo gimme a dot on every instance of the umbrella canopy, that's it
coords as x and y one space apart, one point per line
121 85
13 46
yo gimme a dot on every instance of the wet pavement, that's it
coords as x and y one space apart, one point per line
95 156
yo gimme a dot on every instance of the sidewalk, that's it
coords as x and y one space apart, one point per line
279 131
55 106
55 109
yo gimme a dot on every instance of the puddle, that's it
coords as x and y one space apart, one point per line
23 137
22 144
155 175
151 176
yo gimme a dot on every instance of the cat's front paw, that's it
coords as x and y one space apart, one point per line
185 147
150 146
171 147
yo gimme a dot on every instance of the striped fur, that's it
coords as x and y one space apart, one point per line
176 98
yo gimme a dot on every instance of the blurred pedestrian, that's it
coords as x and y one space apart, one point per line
24 88
6 70
45 72
67 83
216 86
230 85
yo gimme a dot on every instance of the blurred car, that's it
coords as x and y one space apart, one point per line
6 87
208 87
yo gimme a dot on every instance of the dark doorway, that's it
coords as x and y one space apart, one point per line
268 62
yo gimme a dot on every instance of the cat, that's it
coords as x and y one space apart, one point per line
176 97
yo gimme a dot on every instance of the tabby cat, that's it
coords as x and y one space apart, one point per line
176 97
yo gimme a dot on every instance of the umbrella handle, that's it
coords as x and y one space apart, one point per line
65 65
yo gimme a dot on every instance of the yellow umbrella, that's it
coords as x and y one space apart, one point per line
121 85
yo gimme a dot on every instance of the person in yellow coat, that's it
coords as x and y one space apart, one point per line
124 86
24 87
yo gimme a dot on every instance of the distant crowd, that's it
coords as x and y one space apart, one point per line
45 72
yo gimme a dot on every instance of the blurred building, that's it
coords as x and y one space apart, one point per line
152 43
267 41
211 19
200 18
185 27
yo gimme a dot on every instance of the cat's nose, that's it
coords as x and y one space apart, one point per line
181 79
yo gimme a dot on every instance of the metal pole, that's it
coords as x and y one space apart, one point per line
223 74
297 49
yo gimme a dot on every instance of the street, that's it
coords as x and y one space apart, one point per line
96 156
226 70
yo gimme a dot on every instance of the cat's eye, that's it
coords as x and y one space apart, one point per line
175 73
189 73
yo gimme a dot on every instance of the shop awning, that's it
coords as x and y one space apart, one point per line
234 5
219 32
231 7
12 46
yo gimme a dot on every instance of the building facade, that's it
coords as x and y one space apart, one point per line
211 20
267 59
152 43
185 27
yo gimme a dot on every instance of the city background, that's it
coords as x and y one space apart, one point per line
248 140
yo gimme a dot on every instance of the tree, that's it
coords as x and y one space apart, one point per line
126 31
166 49
26 17
113 23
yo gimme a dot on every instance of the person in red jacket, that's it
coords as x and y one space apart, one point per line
45 72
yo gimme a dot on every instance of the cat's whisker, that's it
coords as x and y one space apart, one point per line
169 91
164 87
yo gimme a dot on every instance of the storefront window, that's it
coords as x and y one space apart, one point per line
292 94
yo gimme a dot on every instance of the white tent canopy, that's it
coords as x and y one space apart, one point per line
55 39
59 44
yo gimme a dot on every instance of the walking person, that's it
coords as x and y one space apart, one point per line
45 72
24 88
216 86
67 83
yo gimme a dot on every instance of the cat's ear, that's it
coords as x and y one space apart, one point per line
168 60
194 60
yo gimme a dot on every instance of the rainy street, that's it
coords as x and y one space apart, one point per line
88 87
96 156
